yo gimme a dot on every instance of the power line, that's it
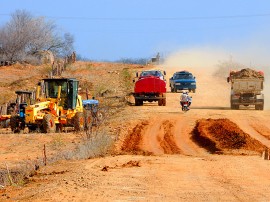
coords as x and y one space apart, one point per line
154 18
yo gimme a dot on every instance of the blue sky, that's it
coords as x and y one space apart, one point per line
115 29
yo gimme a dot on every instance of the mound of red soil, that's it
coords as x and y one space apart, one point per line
218 135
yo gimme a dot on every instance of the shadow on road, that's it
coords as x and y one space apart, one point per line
211 107
221 108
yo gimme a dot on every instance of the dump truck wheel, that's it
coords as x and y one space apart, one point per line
259 107
79 122
48 124
14 123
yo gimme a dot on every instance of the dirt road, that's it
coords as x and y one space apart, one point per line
159 161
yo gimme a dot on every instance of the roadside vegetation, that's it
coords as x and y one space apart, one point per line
24 37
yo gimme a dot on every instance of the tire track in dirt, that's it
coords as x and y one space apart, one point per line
153 137
168 142
261 129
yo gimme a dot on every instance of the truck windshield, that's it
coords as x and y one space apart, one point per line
183 76
151 73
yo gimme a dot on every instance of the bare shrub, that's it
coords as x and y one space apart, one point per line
24 35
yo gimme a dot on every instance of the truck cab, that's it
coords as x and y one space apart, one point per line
183 80
153 73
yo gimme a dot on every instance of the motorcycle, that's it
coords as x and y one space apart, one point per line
185 107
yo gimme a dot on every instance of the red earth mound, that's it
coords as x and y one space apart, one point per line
220 135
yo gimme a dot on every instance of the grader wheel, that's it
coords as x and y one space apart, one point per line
48 124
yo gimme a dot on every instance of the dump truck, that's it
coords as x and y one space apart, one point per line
246 88
150 86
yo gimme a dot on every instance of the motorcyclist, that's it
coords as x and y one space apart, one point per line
185 98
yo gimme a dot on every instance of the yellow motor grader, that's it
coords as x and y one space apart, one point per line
57 105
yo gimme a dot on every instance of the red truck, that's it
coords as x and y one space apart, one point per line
150 86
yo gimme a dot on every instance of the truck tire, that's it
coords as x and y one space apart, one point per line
78 122
164 102
234 106
175 89
160 102
137 102
48 124
194 90
259 107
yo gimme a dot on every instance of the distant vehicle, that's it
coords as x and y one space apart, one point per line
150 86
246 88
183 80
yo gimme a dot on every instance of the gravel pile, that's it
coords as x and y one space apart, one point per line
247 73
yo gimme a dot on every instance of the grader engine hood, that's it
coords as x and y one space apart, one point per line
34 112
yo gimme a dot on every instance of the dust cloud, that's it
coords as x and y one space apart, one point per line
206 61
200 60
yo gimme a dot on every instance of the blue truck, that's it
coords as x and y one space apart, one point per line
183 80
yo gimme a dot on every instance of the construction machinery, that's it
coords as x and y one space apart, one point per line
11 111
57 105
